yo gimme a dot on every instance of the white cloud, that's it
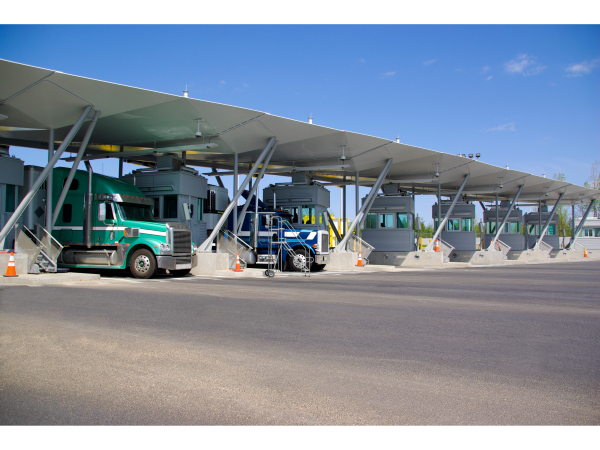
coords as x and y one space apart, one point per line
510 126
524 65
222 81
362 60
485 69
489 78
427 63
246 85
579 69
388 74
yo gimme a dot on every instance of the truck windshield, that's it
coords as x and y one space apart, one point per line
136 212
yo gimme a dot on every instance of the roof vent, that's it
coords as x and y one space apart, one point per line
310 119
398 139
185 93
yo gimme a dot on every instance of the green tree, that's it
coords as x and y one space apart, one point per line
593 182
564 217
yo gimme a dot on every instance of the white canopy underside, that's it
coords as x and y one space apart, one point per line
33 99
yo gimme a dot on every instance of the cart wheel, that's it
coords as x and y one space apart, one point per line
269 273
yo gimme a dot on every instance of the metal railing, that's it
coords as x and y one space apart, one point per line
544 247
446 250
27 242
356 244
52 247
502 247
229 243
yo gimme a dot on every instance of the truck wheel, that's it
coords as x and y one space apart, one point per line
142 263
317 267
180 273
297 262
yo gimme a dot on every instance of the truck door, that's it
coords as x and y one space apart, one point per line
105 230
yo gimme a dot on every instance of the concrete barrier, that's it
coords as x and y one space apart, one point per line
419 259
477 257
342 261
528 256
210 263
20 263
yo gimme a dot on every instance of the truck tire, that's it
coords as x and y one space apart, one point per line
180 273
142 264
317 267
295 263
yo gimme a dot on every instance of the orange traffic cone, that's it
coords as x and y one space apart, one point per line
585 255
437 245
10 270
237 263
359 263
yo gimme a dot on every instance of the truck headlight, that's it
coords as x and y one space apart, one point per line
165 248
194 249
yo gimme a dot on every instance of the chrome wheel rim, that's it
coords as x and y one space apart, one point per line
142 264
300 261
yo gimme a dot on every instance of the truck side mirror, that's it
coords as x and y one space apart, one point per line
102 212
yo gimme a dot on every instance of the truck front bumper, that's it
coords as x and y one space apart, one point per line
174 262
322 259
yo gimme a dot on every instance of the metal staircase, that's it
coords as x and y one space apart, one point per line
277 228
229 243
41 248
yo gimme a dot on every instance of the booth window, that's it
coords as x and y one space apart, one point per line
491 228
551 230
371 221
67 212
386 220
9 205
514 228
156 211
308 214
404 220
293 210
200 209
533 230
467 224
453 224
170 207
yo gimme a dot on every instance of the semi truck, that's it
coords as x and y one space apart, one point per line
298 249
106 223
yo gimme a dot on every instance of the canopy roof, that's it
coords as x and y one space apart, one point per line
33 99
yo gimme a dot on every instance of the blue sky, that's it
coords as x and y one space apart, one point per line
523 96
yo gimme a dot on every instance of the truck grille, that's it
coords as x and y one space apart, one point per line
325 243
181 240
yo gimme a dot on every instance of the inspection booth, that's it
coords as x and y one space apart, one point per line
307 202
534 222
459 230
11 186
511 232
178 192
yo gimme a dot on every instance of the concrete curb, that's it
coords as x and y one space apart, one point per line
43 279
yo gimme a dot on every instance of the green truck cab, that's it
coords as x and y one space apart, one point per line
114 228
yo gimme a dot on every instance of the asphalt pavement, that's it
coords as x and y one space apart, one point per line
506 345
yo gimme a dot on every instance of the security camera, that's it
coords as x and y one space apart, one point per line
437 174
477 155
471 155
199 133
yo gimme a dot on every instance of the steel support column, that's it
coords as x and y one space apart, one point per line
575 233
205 246
235 189
572 224
27 199
547 224
357 200
254 188
121 162
499 229
345 224
342 244
71 175
443 222
49 221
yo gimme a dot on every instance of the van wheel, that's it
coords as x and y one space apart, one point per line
180 273
142 264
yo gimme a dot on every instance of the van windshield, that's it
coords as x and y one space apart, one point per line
136 212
